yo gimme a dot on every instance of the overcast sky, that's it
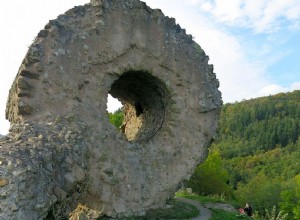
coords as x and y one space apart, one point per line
253 44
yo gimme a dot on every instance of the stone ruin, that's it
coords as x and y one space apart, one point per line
63 157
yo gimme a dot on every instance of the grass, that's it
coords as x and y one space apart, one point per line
219 214
208 199
178 210
202 199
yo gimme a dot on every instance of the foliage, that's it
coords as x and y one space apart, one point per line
274 215
201 199
219 214
261 191
116 118
210 177
260 124
259 146
291 198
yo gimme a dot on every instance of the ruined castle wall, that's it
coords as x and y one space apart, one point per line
153 67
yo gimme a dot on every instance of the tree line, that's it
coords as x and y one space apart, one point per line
256 158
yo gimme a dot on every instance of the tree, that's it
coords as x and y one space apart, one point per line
291 198
261 192
116 118
210 177
259 145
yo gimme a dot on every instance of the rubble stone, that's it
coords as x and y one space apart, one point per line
62 157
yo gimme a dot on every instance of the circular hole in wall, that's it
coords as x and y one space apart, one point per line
143 97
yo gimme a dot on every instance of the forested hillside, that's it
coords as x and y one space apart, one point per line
256 158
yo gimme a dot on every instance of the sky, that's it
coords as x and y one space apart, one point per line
254 45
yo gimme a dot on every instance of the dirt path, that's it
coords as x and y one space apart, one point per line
205 213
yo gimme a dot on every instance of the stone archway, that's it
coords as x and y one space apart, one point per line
62 150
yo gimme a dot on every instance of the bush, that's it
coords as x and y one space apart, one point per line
210 177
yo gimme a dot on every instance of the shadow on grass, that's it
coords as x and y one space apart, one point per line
178 210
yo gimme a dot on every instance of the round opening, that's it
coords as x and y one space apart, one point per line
143 98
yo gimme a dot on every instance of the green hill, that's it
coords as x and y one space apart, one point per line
256 158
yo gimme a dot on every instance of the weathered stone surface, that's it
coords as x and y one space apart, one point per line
33 170
63 156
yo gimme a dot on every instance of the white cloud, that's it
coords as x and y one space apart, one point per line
227 11
194 2
207 6
295 86
253 9
260 15
273 89
294 12
238 76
